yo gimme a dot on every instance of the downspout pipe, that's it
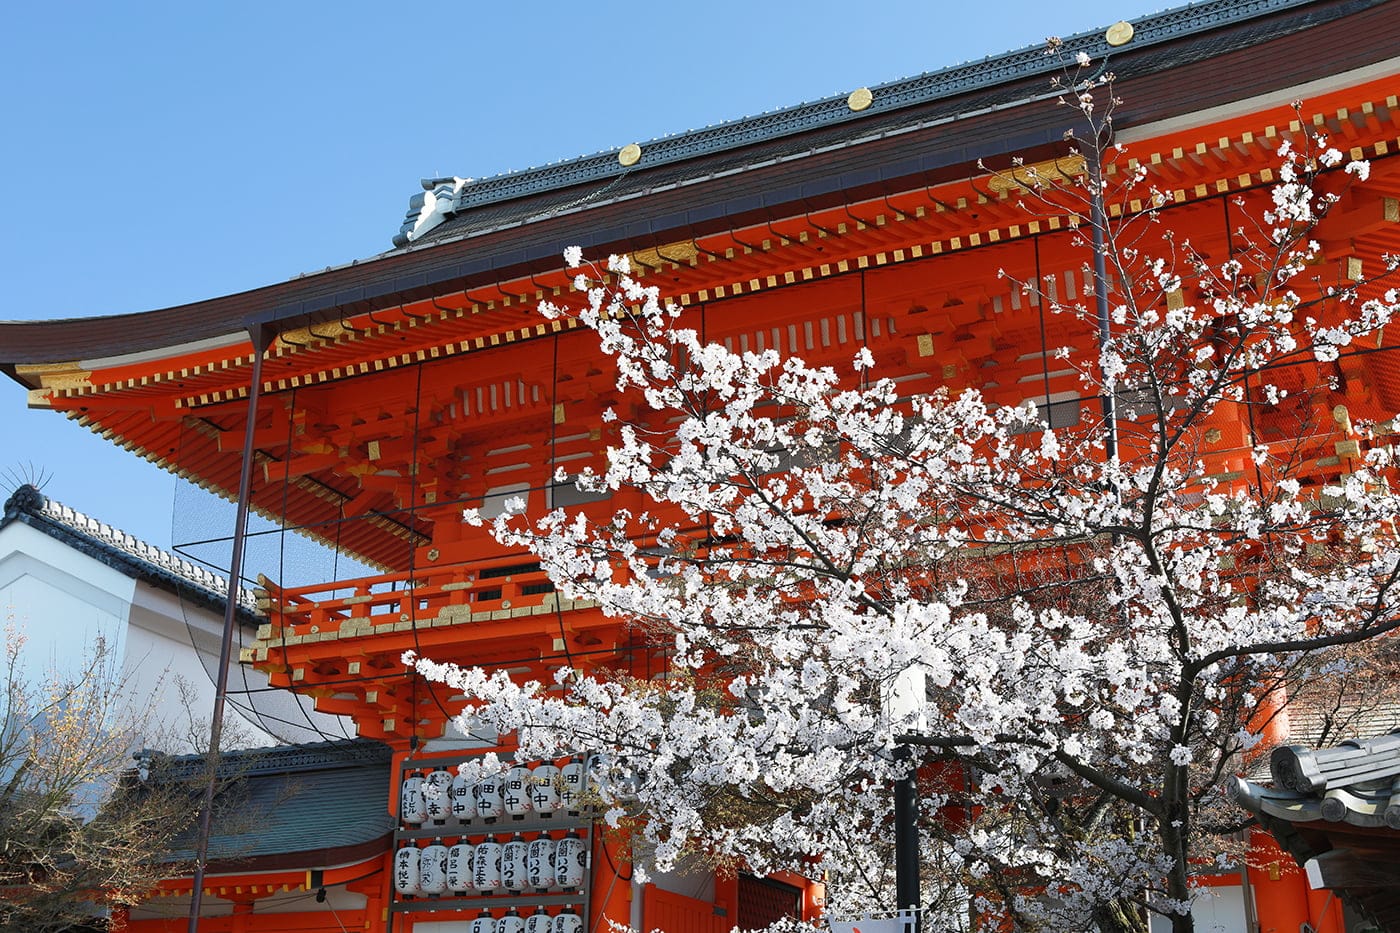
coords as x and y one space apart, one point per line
261 336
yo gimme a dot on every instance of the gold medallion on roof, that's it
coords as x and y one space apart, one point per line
1120 33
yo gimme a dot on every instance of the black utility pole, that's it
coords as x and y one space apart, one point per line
906 838
261 337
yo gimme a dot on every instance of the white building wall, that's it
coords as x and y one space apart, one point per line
1215 909
63 600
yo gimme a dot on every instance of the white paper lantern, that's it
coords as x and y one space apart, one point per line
512 922
486 865
516 792
432 868
484 922
487 794
406 870
412 808
461 803
539 863
513 863
567 921
436 787
570 860
539 922
544 788
574 778
459 867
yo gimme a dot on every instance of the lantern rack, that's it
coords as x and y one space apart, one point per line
453 831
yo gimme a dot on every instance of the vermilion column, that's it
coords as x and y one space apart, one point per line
1326 912
1280 888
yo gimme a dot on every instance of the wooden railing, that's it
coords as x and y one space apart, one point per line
497 588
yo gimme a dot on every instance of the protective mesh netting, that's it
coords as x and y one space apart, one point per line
202 532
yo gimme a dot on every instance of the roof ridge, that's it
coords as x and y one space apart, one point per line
278 759
31 500
446 197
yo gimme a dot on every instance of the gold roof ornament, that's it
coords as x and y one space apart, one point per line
629 154
859 99
1120 33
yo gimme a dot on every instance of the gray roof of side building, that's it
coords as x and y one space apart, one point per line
1336 810
1354 782
123 552
293 806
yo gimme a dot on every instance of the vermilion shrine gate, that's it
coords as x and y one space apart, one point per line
397 390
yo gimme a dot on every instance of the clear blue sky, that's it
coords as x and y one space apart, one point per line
160 153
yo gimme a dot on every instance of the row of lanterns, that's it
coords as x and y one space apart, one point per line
489 866
544 789
566 921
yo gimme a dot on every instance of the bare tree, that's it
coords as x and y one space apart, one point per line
79 831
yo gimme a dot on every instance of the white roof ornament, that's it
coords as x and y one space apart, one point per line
433 206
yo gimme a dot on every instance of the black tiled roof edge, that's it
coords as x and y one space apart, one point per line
282 759
920 89
1354 782
123 552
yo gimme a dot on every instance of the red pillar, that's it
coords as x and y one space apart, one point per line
1326 911
1280 887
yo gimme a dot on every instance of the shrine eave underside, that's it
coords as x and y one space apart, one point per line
790 183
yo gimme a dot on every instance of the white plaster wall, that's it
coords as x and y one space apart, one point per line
64 600
1216 910
171 631
60 599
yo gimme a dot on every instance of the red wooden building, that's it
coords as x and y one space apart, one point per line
387 394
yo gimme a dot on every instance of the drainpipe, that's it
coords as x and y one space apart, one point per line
261 336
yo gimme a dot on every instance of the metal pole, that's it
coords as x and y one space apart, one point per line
906 839
259 335
1099 221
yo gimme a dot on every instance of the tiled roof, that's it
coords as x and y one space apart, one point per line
121 551
296 803
830 122
1337 812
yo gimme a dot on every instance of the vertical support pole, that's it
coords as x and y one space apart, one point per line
259 335
1099 221
906 839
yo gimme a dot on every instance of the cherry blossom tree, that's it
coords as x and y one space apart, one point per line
1088 627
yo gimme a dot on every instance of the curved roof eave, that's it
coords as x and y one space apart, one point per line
474 245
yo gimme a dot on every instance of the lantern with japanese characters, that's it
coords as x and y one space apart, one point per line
544 788
539 863
487 794
512 922
459 867
570 860
436 787
486 865
513 863
574 778
432 868
516 793
406 869
412 809
484 922
461 804
567 921
539 922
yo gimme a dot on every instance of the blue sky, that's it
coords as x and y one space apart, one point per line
160 153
